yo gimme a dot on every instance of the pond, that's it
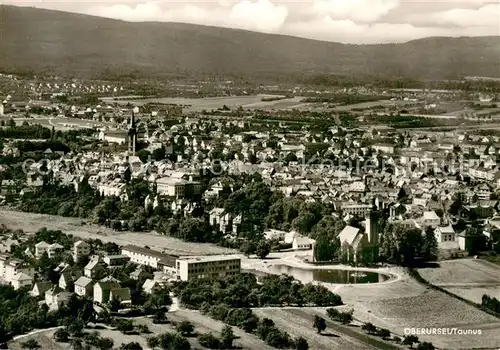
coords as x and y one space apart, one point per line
337 276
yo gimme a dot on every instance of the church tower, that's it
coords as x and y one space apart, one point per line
132 135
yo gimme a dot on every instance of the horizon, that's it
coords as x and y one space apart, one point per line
358 22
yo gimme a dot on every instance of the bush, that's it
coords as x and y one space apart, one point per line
227 337
301 344
185 328
208 340
61 335
342 317
30 344
131 346
105 344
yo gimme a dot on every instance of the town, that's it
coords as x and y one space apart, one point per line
130 213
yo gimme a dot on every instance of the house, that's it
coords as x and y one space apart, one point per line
445 234
84 286
21 280
80 249
123 294
102 289
140 274
55 298
43 247
302 243
430 218
116 260
150 286
10 267
66 280
39 289
94 268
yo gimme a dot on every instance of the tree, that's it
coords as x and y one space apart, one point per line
301 344
92 339
319 324
410 340
185 328
208 340
159 300
263 249
61 335
153 342
227 337
248 248
115 304
160 317
425 346
430 245
125 326
131 346
105 344
75 328
369 327
30 344
324 249
384 333
76 344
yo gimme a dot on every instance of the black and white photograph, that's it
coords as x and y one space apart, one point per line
249 174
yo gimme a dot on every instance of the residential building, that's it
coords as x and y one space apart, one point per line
445 234
84 286
430 218
80 249
302 243
94 268
21 280
209 267
44 247
102 289
39 289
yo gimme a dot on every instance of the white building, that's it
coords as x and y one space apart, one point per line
43 247
80 249
445 234
430 218
148 257
209 267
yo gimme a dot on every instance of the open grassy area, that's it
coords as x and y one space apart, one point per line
299 322
31 222
468 278
407 303
203 324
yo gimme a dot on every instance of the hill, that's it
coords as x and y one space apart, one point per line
69 44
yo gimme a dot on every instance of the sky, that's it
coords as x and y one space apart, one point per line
346 21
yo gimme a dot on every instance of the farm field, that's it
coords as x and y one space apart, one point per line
298 322
406 303
209 103
467 278
201 323
30 223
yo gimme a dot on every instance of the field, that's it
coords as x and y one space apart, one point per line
406 303
30 222
202 324
298 322
468 278
209 103
59 123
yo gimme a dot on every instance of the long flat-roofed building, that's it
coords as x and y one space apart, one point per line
148 257
208 267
